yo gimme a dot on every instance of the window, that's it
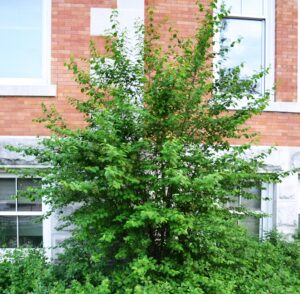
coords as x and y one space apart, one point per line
251 22
19 226
25 47
264 202
254 205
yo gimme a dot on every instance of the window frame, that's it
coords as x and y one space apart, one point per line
17 213
268 223
268 16
35 86
268 207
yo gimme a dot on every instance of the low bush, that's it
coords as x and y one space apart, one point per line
23 271
229 262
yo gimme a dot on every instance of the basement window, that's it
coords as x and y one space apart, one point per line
19 223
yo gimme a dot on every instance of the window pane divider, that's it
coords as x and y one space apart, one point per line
16 192
21 213
18 243
245 17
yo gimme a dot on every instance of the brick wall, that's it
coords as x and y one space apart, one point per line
71 34
286 50
275 128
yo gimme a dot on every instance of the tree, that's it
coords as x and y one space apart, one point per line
152 171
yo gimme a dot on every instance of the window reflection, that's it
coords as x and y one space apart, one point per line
245 7
7 193
250 49
17 226
24 231
21 39
8 231
30 232
251 223
25 204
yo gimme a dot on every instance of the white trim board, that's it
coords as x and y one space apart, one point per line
28 90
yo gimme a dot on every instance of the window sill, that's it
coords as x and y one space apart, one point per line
285 107
28 90
292 107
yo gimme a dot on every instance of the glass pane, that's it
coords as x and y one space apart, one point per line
252 225
232 202
25 204
234 6
7 193
253 204
249 51
30 232
253 7
21 39
8 231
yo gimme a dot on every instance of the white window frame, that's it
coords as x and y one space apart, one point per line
46 223
268 207
35 86
268 16
274 106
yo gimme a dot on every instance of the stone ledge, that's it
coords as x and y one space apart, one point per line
28 90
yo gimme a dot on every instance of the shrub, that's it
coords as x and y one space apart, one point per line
23 271
153 171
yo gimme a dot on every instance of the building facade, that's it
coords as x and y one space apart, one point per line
38 36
